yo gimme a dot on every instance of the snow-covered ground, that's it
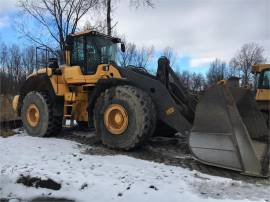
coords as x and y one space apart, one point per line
85 177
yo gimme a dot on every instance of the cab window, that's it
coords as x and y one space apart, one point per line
265 79
77 53
90 51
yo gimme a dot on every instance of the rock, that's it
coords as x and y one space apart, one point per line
84 185
153 187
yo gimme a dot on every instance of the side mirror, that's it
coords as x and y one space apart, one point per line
123 47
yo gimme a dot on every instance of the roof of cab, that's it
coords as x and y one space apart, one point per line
95 33
259 67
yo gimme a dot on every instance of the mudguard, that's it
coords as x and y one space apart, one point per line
41 82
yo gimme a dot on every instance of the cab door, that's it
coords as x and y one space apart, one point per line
263 90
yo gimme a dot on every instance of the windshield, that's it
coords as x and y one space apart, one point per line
101 49
90 51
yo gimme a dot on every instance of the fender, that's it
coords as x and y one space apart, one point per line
41 82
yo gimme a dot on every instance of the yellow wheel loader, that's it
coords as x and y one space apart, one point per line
127 105
262 86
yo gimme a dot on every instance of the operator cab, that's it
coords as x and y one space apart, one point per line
89 49
264 79
262 76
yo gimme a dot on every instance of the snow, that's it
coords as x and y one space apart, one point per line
109 178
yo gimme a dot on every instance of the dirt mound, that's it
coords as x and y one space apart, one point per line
51 200
38 182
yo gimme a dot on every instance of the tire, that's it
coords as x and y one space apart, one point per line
48 124
140 111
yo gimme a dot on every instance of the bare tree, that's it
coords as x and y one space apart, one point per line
139 3
109 4
233 71
57 17
127 58
11 69
192 81
249 54
197 82
169 53
109 18
98 25
3 55
216 72
185 78
133 55
3 68
143 56
28 60
15 64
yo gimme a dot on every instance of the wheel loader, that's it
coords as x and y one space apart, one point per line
127 105
262 87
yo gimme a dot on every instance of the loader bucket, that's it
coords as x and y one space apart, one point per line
230 132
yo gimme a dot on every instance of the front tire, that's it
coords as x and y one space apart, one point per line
124 117
37 115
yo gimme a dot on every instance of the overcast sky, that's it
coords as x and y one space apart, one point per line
199 30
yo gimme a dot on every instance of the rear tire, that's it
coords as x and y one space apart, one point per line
47 124
140 111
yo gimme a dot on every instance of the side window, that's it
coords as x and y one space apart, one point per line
92 54
266 79
78 51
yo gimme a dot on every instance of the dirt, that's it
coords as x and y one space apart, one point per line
38 199
46 199
36 182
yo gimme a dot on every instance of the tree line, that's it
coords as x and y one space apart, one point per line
239 66
16 63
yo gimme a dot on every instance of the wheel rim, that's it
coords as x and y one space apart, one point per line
32 115
116 119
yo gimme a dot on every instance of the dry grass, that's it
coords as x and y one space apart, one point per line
6 111
6 132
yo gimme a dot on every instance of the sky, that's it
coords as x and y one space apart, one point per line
198 30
